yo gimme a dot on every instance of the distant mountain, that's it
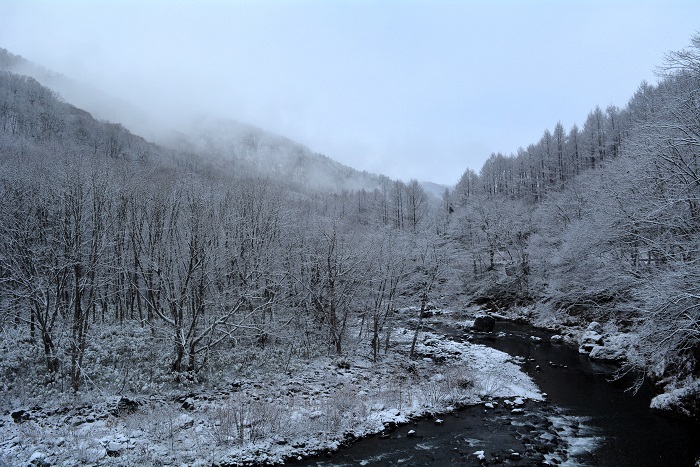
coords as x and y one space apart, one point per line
253 149
435 189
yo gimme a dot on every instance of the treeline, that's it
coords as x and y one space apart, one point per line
101 228
601 223
558 157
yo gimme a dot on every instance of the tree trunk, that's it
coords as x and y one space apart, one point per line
424 302
49 353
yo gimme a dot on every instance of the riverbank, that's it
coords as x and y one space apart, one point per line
677 389
264 417
493 433
628 431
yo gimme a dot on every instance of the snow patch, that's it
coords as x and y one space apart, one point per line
675 399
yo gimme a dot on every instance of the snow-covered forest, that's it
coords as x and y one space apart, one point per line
600 223
137 270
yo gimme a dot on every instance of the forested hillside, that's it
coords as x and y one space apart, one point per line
100 226
601 223
230 145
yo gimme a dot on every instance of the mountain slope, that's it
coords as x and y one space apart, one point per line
254 150
81 94
243 148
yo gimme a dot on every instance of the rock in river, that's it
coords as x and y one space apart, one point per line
484 323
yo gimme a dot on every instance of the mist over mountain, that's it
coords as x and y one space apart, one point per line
241 147
254 150
84 95
435 189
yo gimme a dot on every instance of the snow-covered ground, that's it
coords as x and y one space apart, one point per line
268 417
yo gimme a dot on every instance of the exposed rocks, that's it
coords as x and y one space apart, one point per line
536 441
556 339
125 406
600 352
590 338
683 401
183 422
484 323
21 416
115 449
37 460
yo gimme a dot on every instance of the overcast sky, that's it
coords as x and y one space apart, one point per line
409 89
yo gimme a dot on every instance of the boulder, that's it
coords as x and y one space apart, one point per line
21 416
125 406
682 401
600 352
484 323
115 449
184 422
590 339
37 458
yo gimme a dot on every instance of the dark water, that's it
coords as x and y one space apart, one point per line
631 433
596 420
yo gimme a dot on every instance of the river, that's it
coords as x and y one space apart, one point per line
587 420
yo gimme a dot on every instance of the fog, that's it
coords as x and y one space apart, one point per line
413 89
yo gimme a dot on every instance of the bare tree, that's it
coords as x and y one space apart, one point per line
387 274
430 265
